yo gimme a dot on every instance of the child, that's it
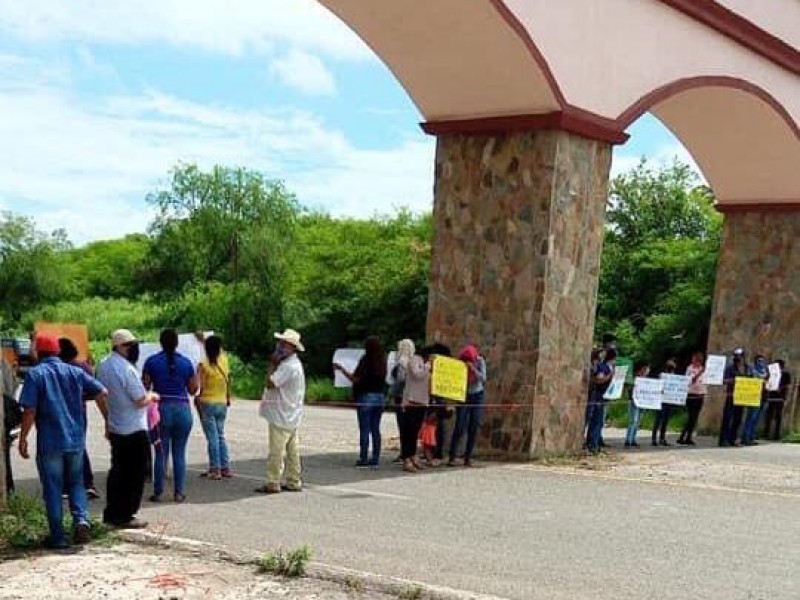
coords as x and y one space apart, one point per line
427 436
640 369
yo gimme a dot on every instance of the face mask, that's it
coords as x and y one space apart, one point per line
133 353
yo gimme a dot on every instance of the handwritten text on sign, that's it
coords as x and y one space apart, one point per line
449 379
647 393
715 370
676 388
747 391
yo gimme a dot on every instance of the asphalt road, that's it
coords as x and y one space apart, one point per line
516 531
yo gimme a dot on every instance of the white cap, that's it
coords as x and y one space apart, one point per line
121 337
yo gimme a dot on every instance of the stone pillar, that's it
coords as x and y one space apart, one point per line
519 223
757 295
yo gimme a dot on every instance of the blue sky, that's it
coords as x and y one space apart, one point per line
98 101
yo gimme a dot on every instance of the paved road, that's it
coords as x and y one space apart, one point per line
517 531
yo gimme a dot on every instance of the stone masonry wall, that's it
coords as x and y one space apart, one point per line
757 295
519 229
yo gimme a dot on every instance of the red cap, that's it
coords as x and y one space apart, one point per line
469 353
47 342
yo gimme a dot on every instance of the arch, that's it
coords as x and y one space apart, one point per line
745 142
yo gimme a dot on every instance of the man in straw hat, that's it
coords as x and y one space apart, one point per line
52 399
282 407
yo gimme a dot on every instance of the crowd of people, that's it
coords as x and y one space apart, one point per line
739 425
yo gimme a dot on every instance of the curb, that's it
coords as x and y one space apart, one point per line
382 584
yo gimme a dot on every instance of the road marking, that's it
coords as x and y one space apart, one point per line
324 488
652 480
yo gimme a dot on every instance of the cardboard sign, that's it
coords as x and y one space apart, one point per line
747 391
647 393
774 381
348 358
676 389
449 379
614 391
79 335
715 370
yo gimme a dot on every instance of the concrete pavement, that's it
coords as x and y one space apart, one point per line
639 527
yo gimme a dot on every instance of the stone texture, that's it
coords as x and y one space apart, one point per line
757 295
519 229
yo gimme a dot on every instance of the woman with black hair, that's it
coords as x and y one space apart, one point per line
369 381
212 406
171 375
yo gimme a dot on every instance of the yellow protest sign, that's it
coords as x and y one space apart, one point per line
747 391
449 379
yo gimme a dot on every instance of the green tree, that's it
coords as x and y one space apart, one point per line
108 269
30 265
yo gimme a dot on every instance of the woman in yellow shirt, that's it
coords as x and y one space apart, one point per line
212 406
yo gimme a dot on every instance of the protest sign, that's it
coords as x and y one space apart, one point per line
676 389
747 391
146 350
614 391
623 361
647 393
348 358
449 379
774 377
77 333
391 362
715 370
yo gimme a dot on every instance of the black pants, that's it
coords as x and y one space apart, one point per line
9 473
130 456
411 418
660 424
774 412
731 422
694 404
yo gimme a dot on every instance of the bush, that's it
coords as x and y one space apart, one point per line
23 524
323 390
247 379
286 564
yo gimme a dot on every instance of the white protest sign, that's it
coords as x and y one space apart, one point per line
774 381
391 361
647 393
188 345
676 388
715 370
146 350
348 358
614 391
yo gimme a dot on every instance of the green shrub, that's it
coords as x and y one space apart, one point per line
323 390
247 379
286 564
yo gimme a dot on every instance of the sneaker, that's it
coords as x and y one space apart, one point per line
82 534
627 444
691 443
361 464
92 493
56 545
179 498
134 523
291 488
227 473
267 489
664 443
155 498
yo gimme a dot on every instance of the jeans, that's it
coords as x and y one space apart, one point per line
634 418
212 418
596 422
753 416
130 465
731 420
284 457
441 416
370 411
774 412
174 429
694 404
661 422
468 420
54 468
411 418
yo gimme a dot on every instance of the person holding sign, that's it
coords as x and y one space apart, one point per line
468 417
602 380
776 399
640 369
732 414
369 380
663 415
416 398
695 399
753 413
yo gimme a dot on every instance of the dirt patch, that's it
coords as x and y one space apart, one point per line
131 572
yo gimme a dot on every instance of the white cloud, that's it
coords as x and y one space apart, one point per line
662 157
218 26
86 165
304 72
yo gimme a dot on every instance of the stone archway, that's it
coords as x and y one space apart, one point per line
526 98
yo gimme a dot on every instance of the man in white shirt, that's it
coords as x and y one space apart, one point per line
126 430
282 407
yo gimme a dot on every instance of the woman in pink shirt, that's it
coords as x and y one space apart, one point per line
695 399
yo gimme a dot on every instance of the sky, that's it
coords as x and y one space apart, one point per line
98 100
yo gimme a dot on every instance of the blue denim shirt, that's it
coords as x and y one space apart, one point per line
55 391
